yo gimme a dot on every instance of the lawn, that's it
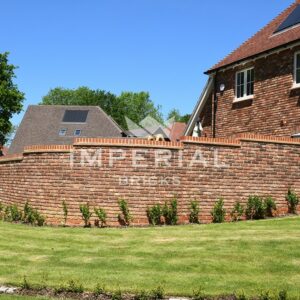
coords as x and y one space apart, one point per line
14 297
218 258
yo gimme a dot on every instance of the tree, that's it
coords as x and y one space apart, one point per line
175 113
11 99
135 106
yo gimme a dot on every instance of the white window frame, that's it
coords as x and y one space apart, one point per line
245 97
79 132
62 130
295 84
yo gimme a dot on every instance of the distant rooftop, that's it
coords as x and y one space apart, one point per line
59 125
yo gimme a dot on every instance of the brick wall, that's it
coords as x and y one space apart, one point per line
231 168
275 108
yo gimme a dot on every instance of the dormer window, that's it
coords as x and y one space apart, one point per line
297 69
62 132
244 84
77 132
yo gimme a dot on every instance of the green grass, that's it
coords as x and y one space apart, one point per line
219 258
15 297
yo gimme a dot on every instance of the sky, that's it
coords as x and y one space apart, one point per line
159 46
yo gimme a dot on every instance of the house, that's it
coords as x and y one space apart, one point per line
151 129
256 88
59 125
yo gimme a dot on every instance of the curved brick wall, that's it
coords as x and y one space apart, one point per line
200 168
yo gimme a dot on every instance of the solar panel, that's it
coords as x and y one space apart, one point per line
75 116
292 20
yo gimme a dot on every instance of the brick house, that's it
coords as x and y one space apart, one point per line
60 124
256 88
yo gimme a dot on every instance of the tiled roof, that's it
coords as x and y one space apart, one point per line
264 40
41 125
177 131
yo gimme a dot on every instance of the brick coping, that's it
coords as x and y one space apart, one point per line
211 141
126 142
48 148
268 139
11 157
144 143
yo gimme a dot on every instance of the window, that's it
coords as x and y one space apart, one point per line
297 69
62 132
244 84
77 132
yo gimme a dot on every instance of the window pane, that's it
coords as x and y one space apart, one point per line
298 61
298 76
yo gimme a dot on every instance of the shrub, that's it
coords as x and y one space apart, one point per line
292 200
116 295
270 206
170 212
32 216
255 208
218 213
39 219
237 212
125 217
99 290
74 287
154 214
65 211
194 212
198 295
12 213
1 211
142 295
282 295
25 284
158 293
86 214
101 214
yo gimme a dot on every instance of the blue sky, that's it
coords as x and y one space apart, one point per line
159 46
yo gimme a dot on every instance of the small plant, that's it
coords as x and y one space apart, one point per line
270 206
142 295
158 293
117 295
170 212
218 213
241 296
15 214
198 295
86 214
74 287
282 295
32 216
125 217
12 213
25 284
154 214
99 290
237 212
39 219
255 209
101 214
1 211
65 211
265 296
292 200
194 212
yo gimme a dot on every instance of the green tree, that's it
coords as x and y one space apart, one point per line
175 113
135 106
11 99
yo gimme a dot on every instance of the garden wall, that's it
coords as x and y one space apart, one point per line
101 171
